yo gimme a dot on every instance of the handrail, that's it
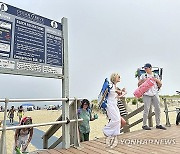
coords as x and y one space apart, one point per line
67 121
40 100
40 124
133 113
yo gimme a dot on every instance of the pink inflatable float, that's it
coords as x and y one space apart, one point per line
144 87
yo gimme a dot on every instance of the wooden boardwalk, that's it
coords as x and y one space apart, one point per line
154 141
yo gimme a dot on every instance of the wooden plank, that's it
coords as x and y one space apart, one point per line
76 150
84 150
92 149
133 113
52 129
54 151
59 140
42 152
97 146
64 151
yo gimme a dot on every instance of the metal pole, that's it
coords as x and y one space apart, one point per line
3 135
40 100
76 136
65 86
41 124
150 120
166 113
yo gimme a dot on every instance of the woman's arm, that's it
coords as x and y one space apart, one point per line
16 137
30 135
118 91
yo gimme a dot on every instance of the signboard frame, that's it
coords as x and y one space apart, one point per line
30 45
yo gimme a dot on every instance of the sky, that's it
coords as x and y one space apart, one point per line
106 36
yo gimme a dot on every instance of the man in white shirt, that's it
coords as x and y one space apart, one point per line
151 97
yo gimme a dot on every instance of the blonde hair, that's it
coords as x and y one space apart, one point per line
113 77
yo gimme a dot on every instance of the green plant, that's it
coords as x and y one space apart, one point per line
95 104
128 100
134 101
140 100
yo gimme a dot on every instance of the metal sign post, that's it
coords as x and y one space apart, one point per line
65 87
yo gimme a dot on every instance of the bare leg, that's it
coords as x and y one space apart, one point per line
123 122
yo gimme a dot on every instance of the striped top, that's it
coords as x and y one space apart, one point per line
122 109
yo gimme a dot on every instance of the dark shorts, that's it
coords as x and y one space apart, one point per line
11 116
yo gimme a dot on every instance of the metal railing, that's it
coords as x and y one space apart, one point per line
54 128
166 110
4 127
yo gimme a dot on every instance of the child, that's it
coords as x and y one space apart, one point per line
11 115
23 136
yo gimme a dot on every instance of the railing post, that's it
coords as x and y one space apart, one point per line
45 142
166 113
126 129
74 137
76 129
72 111
3 136
150 120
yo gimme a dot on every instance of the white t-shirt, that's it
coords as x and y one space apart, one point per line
112 96
154 89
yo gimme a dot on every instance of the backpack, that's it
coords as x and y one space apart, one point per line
102 97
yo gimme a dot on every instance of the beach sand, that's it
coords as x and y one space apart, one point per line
42 116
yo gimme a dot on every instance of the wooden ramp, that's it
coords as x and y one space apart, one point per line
154 141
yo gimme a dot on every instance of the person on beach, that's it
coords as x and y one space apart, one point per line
112 129
11 115
20 112
23 136
85 113
151 97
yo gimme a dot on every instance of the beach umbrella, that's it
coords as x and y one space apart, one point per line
28 104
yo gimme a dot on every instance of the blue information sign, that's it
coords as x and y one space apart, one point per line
29 44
